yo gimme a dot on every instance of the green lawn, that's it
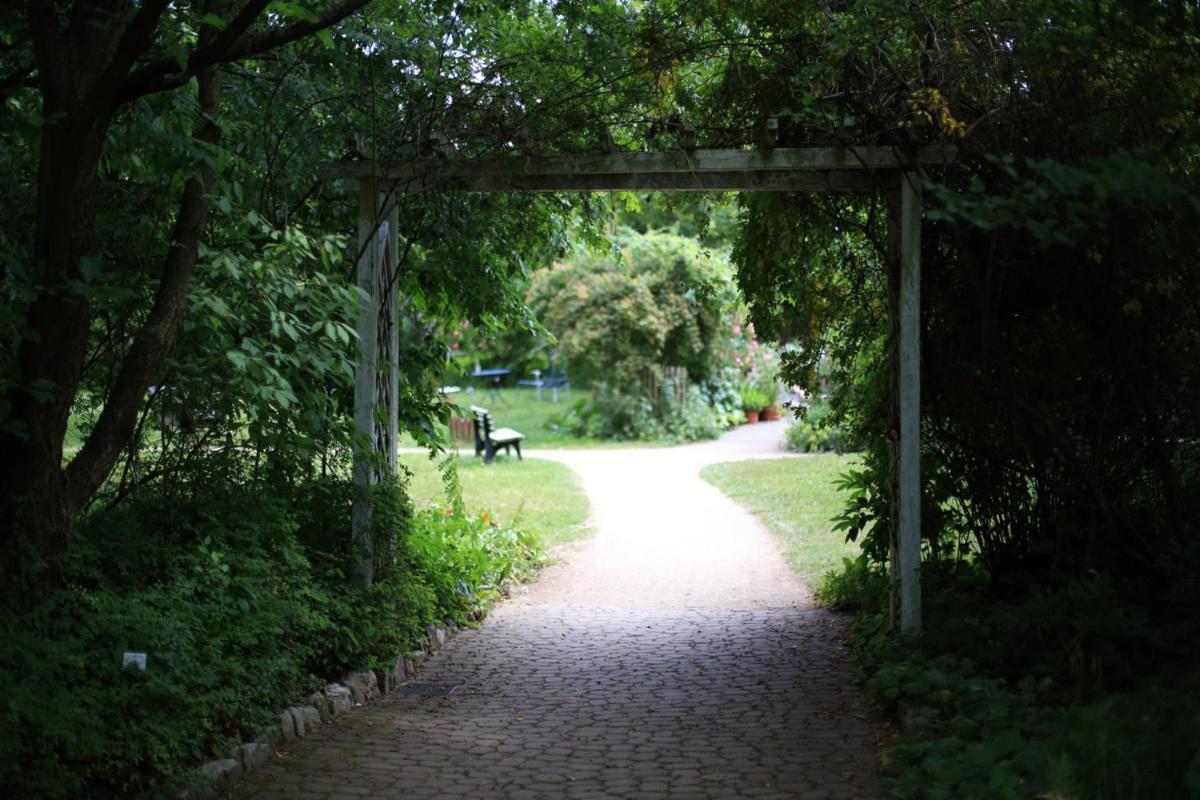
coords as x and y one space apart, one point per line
544 494
795 498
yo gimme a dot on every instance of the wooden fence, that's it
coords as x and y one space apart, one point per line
666 385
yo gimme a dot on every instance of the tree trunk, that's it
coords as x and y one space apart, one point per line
39 500
35 510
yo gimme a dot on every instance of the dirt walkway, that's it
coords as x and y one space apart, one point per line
672 655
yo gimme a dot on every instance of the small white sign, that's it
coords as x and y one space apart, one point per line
134 658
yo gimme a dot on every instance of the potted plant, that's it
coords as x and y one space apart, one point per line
770 392
753 400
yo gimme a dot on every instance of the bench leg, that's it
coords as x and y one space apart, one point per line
518 446
489 454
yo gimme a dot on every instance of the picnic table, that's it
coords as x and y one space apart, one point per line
554 381
492 387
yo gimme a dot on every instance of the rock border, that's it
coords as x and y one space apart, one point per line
354 690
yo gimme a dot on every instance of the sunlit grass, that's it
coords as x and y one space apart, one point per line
544 495
796 499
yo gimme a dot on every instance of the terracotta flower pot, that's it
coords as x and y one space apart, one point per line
771 413
751 416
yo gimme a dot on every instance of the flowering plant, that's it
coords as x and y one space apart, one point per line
754 363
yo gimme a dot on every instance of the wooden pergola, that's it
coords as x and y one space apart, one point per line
862 170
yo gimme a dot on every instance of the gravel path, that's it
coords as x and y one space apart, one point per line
671 655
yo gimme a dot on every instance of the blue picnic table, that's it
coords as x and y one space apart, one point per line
492 387
555 382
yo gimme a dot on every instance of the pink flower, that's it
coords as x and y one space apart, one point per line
737 330
766 356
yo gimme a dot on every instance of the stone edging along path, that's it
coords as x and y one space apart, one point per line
355 690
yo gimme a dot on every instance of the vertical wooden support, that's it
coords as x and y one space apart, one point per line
910 403
365 382
892 198
393 308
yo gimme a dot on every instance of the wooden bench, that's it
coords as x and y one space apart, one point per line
488 440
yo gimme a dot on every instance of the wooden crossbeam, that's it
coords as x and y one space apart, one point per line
760 181
752 170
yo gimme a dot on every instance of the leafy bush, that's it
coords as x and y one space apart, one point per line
697 420
857 587
818 432
468 560
242 603
620 416
613 414
1067 692
724 399
1138 744
219 597
753 398
661 300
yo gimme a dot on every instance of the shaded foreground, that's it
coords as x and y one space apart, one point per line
671 655
586 702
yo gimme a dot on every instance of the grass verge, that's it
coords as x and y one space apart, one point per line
796 499
544 495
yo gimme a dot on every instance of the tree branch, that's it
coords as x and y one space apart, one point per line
47 46
164 74
135 40
95 460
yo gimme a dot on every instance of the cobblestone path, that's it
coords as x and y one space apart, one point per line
590 684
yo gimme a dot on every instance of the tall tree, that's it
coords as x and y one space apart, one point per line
89 60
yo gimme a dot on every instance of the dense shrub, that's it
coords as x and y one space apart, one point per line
242 604
818 431
856 587
1074 691
660 300
625 416
724 400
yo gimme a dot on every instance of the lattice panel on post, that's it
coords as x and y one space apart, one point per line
385 356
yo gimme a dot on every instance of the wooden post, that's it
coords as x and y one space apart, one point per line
365 378
393 354
910 403
892 197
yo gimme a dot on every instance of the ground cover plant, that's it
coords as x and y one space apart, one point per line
241 602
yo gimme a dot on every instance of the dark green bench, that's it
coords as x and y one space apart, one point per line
489 440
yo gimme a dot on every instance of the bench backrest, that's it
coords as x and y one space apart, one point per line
482 423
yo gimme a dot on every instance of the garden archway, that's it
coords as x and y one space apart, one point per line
894 172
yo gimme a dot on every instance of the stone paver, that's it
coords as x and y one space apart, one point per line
634 669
